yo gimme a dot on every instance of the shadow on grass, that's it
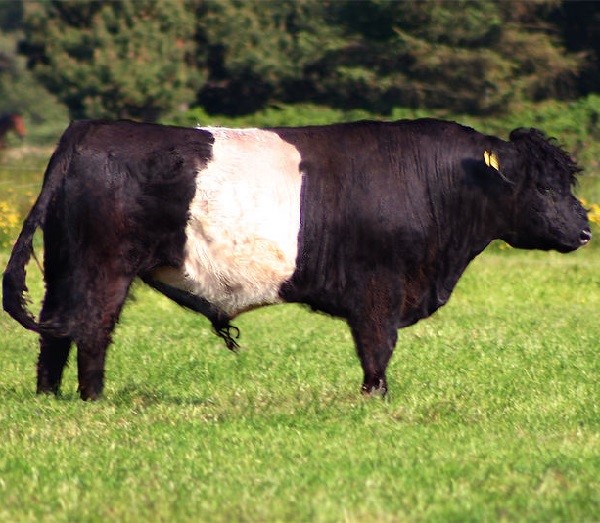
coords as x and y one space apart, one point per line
128 396
14 394
140 396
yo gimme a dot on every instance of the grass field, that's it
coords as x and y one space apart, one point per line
493 413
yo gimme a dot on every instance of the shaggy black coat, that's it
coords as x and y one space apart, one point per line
391 214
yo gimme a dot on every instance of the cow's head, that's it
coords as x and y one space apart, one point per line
544 212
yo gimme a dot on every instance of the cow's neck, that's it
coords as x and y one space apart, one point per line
461 231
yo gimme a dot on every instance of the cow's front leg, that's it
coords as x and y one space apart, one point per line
375 340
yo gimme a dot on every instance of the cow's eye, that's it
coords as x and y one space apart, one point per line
546 190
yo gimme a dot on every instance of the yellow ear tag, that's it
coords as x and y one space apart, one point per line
491 160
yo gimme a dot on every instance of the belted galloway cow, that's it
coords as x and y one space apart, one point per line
372 222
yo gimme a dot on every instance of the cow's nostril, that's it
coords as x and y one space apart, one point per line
585 236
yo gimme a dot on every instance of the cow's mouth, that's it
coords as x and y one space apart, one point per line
582 240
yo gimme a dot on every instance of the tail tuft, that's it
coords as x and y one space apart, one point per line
14 288
229 334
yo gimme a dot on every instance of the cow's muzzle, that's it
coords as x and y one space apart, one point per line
585 236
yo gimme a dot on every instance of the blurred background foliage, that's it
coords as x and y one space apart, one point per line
291 62
493 65
148 58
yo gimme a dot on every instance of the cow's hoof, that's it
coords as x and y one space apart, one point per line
89 395
378 389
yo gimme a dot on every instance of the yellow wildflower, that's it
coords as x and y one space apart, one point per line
593 210
10 219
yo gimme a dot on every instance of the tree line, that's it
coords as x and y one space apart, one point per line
144 59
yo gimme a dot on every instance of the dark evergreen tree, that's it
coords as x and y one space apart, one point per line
473 56
142 58
129 59
256 51
579 22
19 90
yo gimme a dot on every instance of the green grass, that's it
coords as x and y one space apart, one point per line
493 413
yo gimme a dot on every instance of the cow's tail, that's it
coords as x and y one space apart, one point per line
14 287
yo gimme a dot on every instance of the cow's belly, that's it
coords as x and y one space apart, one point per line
242 233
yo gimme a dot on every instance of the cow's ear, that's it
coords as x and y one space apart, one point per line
493 167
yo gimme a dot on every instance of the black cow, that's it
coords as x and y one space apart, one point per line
369 221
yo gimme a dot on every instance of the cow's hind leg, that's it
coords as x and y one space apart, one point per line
91 357
54 353
96 322
54 349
